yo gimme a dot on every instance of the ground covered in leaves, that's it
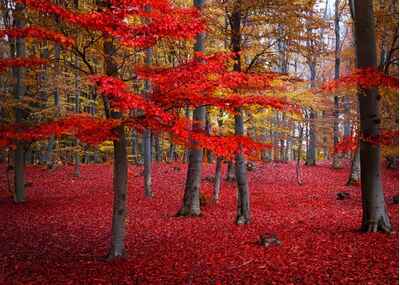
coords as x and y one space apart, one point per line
60 235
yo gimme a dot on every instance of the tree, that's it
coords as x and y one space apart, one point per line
375 217
191 198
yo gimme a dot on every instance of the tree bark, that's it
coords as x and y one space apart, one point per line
336 163
147 145
375 217
20 90
120 169
120 187
355 172
243 195
191 198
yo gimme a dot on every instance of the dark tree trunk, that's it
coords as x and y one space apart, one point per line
147 145
191 198
133 143
243 195
147 163
375 217
157 147
311 159
20 90
336 163
120 170
230 173
120 187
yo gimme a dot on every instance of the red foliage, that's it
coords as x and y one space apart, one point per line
21 62
386 137
38 33
60 234
165 21
87 129
364 78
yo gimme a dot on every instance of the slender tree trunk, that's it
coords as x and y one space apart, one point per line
375 217
230 173
20 90
133 143
77 155
157 147
218 165
120 187
191 198
243 195
336 163
120 170
147 156
355 172
311 159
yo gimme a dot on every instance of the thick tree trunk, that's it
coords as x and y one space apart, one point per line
191 198
375 217
120 187
355 171
243 194
120 170
20 89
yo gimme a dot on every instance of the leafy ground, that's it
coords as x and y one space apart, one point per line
60 234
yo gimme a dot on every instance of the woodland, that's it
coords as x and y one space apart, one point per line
199 142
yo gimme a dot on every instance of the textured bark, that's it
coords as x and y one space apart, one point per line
191 198
120 187
336 163
20 90
375 217
243 194
355 171
120 169
147 145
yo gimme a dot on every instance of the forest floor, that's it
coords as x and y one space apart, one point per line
60 234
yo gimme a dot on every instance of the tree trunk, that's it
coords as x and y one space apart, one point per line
311 160
355 172
147 156
157 147
230 173
243 194
375 217
218 165
120 169
336 163
147 163
120 187
191 198
218 178
20 90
